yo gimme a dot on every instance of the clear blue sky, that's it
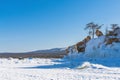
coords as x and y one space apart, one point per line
27 25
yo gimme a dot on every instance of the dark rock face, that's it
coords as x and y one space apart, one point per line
82 44
111 40
98 33
78 47
87 39
113 36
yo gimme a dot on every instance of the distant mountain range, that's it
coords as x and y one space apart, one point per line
49 53
54 50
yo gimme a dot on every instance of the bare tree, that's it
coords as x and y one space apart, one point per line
106 31
114 26
92 28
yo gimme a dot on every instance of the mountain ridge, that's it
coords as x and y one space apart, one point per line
48 53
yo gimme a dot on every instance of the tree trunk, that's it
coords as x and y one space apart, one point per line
93 33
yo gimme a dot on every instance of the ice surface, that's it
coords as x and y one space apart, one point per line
27 69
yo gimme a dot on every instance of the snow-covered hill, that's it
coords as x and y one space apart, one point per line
104 50
98 48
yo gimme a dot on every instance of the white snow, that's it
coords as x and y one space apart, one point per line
99 59
54 69
98 62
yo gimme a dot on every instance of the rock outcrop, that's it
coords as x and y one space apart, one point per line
98 33
88 45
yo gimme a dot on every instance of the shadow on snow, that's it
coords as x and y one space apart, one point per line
58 64
61 63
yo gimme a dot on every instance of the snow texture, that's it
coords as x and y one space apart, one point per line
54 69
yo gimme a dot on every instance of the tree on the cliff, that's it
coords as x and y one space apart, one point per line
92 27
114 26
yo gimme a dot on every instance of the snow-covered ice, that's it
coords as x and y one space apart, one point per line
54 69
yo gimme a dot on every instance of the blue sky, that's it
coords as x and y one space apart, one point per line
27 25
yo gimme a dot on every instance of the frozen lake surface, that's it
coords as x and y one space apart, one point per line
53 69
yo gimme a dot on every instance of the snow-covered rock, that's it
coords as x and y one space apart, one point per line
99 52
